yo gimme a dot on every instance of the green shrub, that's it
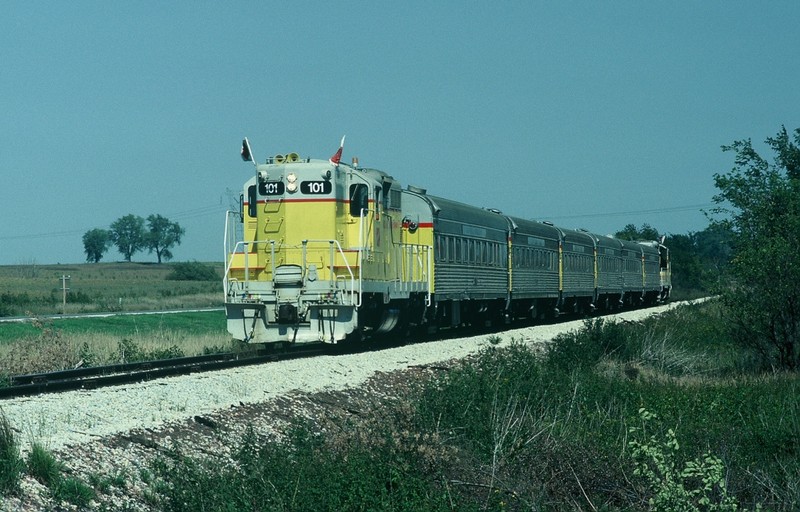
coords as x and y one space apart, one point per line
192 271
86 356
12 303
129 352
582 349
700 485
303 474
104 483
470 401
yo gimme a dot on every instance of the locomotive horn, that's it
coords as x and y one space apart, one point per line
279 159
292 157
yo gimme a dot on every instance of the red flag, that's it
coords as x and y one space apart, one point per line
338 155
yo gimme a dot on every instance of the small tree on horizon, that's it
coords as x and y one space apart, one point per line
632 233
95 243
128 234
162 235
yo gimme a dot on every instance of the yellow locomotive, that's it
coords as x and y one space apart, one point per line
322 251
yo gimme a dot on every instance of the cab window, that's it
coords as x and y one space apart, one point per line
252 201
359 200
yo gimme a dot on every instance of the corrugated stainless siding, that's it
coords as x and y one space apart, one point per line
652 271
530 283
578 283
609 278
454 281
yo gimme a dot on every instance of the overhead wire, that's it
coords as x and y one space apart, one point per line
218 208
694 207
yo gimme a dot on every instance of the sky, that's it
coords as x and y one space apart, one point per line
588 114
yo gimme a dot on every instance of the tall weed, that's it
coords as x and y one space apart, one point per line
11 464
43 466
302 475
697 485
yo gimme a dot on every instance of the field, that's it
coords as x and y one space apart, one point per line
51 343
100 287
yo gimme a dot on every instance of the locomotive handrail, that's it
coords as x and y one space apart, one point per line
362 231
229 259
414 258
353 292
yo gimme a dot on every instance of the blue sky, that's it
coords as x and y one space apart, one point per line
589 114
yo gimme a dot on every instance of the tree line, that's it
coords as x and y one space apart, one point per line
130 235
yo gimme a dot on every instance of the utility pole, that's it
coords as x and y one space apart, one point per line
64 290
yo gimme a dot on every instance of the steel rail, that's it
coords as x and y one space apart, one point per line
112 375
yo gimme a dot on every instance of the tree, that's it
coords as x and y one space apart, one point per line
629 232
162 236
95 243
687 269
762 203
128 234
699 259
715 249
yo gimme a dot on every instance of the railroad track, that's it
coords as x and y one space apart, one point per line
102 376
111 375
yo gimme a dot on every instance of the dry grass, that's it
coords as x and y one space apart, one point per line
60 352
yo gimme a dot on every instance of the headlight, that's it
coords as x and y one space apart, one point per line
291 182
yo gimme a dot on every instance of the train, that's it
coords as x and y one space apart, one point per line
320 251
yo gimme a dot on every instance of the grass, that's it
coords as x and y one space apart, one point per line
55 344
45 345
43 466
511 429
11 463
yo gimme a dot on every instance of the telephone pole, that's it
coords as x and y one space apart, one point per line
64 290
